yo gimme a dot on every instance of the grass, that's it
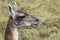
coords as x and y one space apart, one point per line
47 11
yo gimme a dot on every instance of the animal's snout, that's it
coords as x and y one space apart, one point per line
35 23
37 20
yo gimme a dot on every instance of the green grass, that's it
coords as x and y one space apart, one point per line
47 11
1 37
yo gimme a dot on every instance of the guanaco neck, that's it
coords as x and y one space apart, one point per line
11 32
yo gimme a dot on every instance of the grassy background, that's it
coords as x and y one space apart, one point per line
47 11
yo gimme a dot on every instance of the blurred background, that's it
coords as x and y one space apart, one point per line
47 11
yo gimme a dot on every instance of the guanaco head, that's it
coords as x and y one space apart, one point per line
21 18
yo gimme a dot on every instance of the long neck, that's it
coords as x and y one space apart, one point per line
11 32
15 34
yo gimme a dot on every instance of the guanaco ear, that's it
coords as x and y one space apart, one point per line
11 11
15 6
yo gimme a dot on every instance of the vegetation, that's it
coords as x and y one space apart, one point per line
47 11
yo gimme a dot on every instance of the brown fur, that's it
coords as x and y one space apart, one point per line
20 19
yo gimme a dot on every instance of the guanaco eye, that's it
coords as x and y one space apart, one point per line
21 16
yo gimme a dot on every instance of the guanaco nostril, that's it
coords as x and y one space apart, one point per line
37 20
